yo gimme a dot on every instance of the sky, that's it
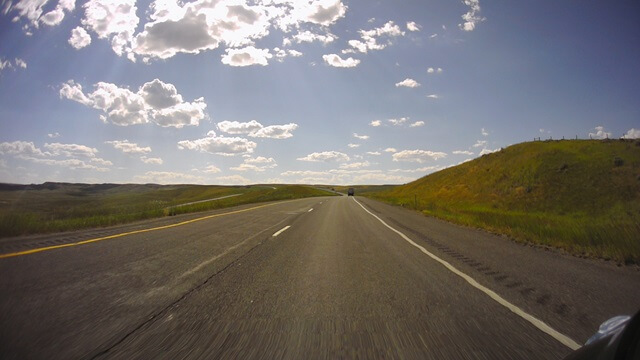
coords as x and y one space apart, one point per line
337 92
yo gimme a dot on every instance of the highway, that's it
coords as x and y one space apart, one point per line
331 277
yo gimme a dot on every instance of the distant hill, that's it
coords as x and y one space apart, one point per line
579 195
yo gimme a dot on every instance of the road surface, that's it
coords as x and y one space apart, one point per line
334 277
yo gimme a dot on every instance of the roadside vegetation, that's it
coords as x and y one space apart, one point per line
54 207
582 196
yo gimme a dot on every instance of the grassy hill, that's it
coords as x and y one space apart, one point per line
51 207
582 196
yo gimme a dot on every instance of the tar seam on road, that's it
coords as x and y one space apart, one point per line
564 339
207 262
159 313
89 241
281 231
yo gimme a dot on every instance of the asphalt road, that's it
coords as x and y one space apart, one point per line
334 283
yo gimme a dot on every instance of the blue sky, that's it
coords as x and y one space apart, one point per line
310 91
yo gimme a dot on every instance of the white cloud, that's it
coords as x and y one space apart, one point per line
17 63
257 130
390 150
71 150
356 165
54 135
353 146
488 151
412 26
462 152
246 57
122 106
433 36
261 160
53 17
410 83
375 123
154 101
369 38
433 96
33 10
361 137
336 61
233 180
319 12
220 145
417 124
100 161
600 133
374 153
20 63
21 148
419 156
203 25
160 95
167 177
236 128
397 122
148 160
309 37
79 38
281 54
484 132
632 134
210 169
480 143
472 17
128 147
73 164
72 91
326 156
181 31
432 70
182 114
258 164
114 20
75 156
248 167
275 131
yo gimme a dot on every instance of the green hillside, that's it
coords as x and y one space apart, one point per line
52 207
582 196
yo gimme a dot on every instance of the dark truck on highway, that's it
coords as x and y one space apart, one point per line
350 192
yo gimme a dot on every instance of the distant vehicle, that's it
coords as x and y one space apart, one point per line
350 192
617 338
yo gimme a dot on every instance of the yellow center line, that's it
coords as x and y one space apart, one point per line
89 241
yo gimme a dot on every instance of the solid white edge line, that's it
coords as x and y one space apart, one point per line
564 339
281 231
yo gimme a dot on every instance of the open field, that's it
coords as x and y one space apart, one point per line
581 196
52 207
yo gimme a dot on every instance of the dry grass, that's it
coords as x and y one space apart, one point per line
582 196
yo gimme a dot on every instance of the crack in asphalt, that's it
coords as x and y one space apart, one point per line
163 310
